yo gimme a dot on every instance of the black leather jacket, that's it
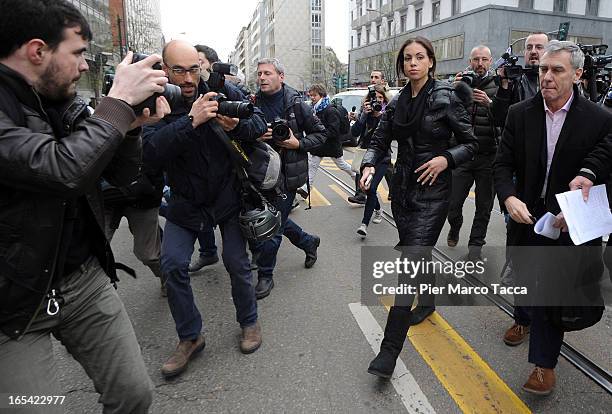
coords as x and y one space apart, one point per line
445 114
39 173
526 88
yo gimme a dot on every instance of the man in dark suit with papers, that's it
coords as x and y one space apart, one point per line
555 142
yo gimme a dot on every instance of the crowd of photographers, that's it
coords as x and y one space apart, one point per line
182 131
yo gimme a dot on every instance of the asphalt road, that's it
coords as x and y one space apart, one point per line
318 340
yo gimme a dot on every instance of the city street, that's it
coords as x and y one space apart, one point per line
319 339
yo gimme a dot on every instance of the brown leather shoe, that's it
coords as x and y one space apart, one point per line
541 381
516 335
185 350
250 340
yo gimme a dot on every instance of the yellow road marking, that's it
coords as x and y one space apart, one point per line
341 193
317 199
469 380
472 194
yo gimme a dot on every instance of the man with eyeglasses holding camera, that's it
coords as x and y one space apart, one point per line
204 194
480 169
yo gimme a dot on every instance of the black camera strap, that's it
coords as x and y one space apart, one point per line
240 161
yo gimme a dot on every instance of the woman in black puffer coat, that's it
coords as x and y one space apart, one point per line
422 117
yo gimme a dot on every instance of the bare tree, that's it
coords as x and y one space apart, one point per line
143 28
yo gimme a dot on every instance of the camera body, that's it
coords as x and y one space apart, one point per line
233 109
514 71
171 92
471 78
374 104
216 79
280 130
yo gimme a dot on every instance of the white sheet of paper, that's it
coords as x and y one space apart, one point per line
544 227
586 221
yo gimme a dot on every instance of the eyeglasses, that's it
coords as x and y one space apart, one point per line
179 71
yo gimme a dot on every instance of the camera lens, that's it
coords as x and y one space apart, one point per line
233 109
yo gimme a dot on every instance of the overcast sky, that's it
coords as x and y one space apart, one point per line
217 23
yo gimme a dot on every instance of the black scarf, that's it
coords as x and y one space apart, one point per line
409 111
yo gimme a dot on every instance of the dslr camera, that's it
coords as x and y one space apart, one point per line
471 78
233 109
216 82
172 93
514 71
280 130
374 104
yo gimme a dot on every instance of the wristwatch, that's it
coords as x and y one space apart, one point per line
190 117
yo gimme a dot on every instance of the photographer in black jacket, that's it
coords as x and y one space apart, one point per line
281 102
480 169
526 87
56 267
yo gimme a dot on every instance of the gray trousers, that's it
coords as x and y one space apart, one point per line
95 329
144 226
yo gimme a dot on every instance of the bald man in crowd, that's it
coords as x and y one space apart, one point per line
201 175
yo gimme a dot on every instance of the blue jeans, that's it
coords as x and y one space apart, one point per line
372 202
206 238
177 249
266 262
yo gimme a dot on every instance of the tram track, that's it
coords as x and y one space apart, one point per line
578 359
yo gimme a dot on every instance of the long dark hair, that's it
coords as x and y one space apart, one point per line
399 63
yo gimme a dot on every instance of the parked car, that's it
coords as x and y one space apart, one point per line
352 98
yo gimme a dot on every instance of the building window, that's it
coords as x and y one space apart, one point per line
389 27
360 8
418 17
358 39
455 7
316 35
402 23
316 20
449 48
369 4
592 7
435 11
352 41
560 6
378 32
526 4
352 17
367 39
315 4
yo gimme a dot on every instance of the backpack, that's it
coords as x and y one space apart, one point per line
345 124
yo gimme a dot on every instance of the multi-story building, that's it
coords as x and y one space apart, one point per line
100 50
379 27
290 30
143 26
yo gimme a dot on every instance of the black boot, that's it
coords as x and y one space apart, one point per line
359 197
420 313
395 332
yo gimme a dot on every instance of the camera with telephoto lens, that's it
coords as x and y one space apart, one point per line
595 60
471 78
514 71
216 79
172 93
233 109
280 129
374 104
